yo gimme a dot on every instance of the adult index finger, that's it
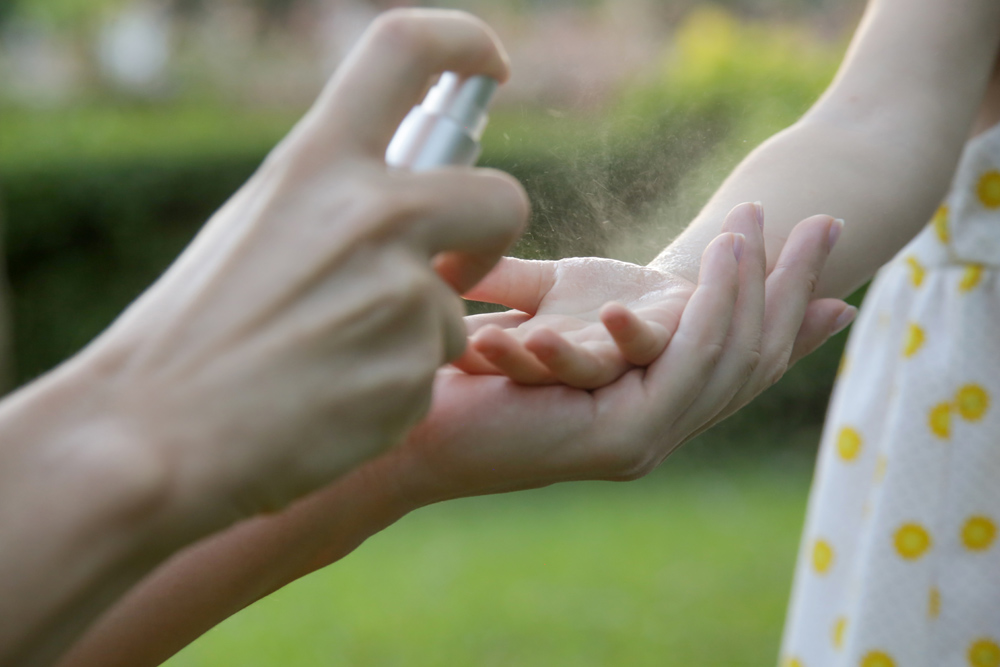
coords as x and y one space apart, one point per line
465 218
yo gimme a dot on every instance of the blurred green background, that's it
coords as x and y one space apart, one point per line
125 123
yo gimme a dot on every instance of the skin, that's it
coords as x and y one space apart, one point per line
486 434
877 149
882 144
296 337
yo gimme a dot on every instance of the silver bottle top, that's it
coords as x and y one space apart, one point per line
445 129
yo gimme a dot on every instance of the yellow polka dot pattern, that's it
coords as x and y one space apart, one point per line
912 541
822 556
839 630
917 271
972 275
849 443
939 420
984 653
972 401
881 464
881 582
913 341
988 189
792 662
940 223
978 533
877 659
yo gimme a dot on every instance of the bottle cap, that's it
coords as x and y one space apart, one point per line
446 127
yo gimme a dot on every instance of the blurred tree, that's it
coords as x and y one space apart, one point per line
7 8
61 13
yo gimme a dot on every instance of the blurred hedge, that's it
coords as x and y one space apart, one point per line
99 200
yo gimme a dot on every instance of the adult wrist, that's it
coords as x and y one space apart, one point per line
65 432
84 500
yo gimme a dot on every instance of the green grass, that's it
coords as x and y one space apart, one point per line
691 566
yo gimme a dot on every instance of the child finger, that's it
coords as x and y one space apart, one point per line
510 357
509 319
474 363
575 365
639 342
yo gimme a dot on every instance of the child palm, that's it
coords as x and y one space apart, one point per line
586 322
582 322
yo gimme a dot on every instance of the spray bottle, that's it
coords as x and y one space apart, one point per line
446 127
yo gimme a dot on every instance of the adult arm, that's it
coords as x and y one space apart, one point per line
219 576
297 336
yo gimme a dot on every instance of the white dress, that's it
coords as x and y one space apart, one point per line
900 558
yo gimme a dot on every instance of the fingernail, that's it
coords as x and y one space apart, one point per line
738 242
846 317
835 229
758 211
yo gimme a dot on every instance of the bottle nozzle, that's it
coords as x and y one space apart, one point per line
446 127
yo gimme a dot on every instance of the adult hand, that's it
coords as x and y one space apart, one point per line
487 434
299 334
585 321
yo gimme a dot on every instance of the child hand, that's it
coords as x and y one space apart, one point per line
593 319
734 336
575 333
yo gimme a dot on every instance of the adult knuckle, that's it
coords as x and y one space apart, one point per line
401 298
411 382
416 286
386 211
751 362
807 277
635 467
705 354
779 271
402 29
287 168
776 370
811 279
711 353
620 459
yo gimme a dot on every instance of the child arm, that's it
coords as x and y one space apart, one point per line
878 150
